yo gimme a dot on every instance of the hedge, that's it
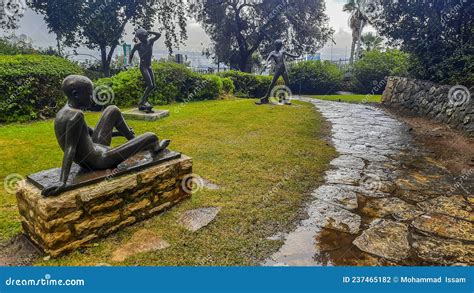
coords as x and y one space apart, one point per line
174 83
315 77
248 85
30 86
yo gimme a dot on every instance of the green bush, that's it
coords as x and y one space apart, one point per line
228 86
30 86
248 85
371 71
315 77
174 83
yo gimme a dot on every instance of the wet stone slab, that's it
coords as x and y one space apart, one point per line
455 206
385 238
445 226
343 176
333 217
442 251
383 207
338 195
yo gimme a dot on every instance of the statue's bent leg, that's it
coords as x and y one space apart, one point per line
115 156
111 118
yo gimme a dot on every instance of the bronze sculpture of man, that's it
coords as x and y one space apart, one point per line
145 51
278 56
90 148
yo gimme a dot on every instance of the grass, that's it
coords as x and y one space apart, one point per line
247 150
351 98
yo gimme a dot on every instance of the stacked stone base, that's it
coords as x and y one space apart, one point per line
62 224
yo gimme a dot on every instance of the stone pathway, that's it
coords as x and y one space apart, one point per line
384 202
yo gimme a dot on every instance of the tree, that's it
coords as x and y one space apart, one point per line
241 30
437 33
357 23
100 24
371 42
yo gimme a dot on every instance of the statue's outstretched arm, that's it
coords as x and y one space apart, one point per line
291 55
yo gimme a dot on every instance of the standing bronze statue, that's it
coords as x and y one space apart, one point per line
278 56
90 148
145 51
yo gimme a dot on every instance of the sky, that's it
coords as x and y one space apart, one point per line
34 26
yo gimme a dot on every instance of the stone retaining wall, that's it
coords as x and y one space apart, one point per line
432 100
64 223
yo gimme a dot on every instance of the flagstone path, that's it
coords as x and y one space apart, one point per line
385 201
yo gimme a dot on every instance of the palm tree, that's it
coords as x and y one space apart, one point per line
371 41
357 22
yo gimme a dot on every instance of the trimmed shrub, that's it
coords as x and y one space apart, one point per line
248 85
315 77
174 83
30 86
374 67
228 86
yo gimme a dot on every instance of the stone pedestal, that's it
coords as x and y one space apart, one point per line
96 209
135 114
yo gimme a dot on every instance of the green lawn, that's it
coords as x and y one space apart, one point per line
245 149
351 98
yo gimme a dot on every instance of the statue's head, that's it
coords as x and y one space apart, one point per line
79 90
279 44
141 34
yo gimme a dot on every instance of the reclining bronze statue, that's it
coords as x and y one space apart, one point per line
90 148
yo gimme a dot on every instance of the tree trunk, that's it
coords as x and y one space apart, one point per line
352 50
105 61
58 44
244 64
